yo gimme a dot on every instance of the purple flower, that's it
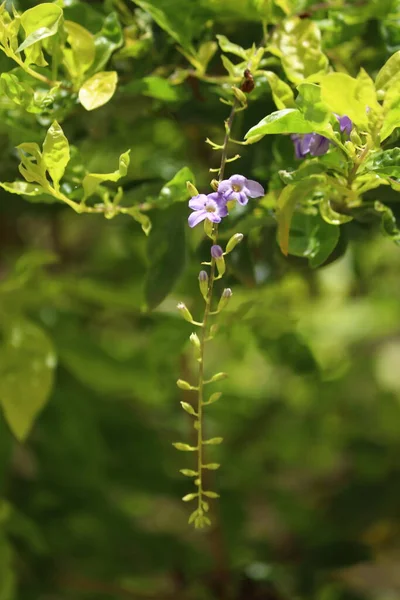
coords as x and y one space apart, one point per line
216 251
211 207
241 189
345 124
310 143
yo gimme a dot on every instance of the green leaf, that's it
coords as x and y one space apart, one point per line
227 46
166 252
154 87
106 41
288 120
32 167
55 153
340 93
40 22
311 237
19 92
91 181
289 197
80 55
389 73
27 363
314 110
391 110
181 20
175 190
388 222
22 188
140 217
298 44
385 163
98 90
282 93
211 466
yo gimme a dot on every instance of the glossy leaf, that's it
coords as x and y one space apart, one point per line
106 41
340 93
27 363
282 93
290 196
389 73
385 163
314 110
55 153
80 55
40 22
311 237
176 190
22 188
98 90
288 120
91 181
166 254
181 21
227 46
298 44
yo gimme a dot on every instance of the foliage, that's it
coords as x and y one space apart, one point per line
105 108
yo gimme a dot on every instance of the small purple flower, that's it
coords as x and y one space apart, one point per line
310 143
216 251
345 124
241 189
211 207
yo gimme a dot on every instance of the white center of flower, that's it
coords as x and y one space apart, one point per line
210 206
236 187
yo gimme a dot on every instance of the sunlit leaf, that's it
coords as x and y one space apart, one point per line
80 54
40 22
27 363
91 181
98 90
55 153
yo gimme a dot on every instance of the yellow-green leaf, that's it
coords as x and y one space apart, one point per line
282 93
55 153
341 93
389 73
27 363
40 22
98 90
91 181
80 56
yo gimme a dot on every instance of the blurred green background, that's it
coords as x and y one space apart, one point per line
310 479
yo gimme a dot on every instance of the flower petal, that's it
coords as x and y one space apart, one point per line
238 180
225 188
198 202
214 217
197 217
319 145
242 198
255 190
223 210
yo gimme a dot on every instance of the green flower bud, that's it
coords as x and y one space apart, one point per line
193 191
225 297
185 312
203 283
233 242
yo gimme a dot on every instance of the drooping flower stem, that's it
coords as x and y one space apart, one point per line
205 331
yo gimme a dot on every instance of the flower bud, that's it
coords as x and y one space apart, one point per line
226 295
218 377
355 138
194 338
203 283
193 191
208 228
185 312
183 385
233 242
239 95
216 251
214 184
218 255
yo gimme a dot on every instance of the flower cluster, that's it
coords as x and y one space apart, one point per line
316 144
214 206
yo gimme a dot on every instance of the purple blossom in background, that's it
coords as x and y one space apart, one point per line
345 124
241 189
310 143
211 207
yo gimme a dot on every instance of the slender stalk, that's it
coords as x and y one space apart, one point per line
205 328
